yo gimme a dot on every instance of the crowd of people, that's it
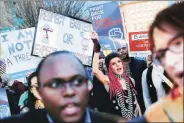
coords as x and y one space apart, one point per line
124 89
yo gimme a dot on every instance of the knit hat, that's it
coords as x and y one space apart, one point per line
109 57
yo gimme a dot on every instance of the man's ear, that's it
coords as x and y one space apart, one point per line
90 85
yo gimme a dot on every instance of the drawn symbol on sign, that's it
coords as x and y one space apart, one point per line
114 34
85 41
47 29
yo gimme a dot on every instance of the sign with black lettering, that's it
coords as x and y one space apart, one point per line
57 32
4 105
16 47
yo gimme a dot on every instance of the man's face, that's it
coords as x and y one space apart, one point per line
123 51
63 89
171 61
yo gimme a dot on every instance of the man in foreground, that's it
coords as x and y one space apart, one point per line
64 88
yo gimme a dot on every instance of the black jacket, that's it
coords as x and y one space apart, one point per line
137 66
40 116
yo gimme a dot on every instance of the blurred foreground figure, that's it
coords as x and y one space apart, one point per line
64 89
167 36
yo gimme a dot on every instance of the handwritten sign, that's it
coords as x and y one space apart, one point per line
57 32
16 47
108 25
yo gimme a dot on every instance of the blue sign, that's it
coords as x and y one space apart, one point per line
106 21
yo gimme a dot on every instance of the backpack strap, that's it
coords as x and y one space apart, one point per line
166 87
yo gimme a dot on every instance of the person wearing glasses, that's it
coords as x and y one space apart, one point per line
153 82
166 35
64 89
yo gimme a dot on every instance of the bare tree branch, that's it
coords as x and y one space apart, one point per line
29 10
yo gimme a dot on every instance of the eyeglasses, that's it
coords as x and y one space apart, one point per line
175 46
74 82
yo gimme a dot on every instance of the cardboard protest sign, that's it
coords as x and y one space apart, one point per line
17 46
108 25
57 32
4 105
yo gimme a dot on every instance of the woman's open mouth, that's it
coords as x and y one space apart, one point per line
119 69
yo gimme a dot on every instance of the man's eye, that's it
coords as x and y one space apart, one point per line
78 81
178 43
55 84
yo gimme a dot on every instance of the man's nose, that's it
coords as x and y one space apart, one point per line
173 59
69 90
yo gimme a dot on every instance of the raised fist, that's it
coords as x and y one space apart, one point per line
115 33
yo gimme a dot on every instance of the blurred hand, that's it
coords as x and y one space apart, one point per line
95 38
39 104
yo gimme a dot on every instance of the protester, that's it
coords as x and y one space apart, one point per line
134 68
31 99
63 86
99 98
118 84
11 94
166 35
153 84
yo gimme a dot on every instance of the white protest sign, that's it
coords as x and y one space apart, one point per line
57 32
17 46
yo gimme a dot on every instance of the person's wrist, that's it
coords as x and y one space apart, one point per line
97 47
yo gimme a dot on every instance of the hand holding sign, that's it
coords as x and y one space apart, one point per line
94 36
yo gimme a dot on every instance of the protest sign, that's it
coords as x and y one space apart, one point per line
137 17
138 43
57 32
17 46
4 105
108 25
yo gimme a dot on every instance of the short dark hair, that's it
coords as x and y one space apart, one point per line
54 54
173 15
